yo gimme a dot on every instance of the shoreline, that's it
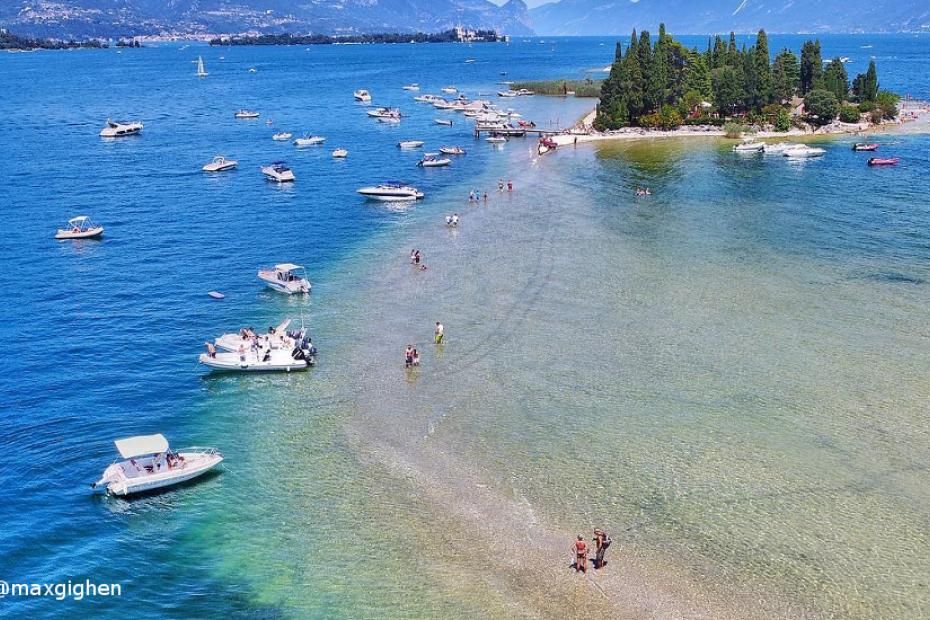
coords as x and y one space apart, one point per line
586 134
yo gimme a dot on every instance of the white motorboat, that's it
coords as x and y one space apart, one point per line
443 121
779 148
804 152
391 192
246 114
150 464
340 153
80 227
219 164
201 70
279 172
281 136
749 147
508 93
451 90
442 104
362 95
412 87
286 278
496 139
451 150
276 338
432 161
259 360
428 98
309 141
384 113
410 144
120 130
389 120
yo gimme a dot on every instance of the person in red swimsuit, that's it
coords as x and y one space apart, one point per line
580 547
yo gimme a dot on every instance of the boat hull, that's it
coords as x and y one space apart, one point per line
230 362
197 464
84 234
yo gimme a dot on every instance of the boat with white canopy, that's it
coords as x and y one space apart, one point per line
80 227
286 278
219 164
116 129
149 464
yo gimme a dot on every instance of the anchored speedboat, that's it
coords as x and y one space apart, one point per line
278 172
219 164
281 136
392 191
432 161
410 144
150 464
451 150
309 141
384 113
286 278
803 151
362 95
120 130
246 114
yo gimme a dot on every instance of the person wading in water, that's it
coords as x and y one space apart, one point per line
580 548
601 542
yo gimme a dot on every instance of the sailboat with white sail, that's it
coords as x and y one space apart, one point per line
201 70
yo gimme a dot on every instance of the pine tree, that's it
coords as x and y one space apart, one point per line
697 77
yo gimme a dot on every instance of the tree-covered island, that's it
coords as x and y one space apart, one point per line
662 84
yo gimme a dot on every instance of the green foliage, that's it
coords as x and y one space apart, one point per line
10 41
811 67
448 36
835 79
849 114
821 106
735 130
581 88
649 78
887 102
670 117
866 106
865 86
782 120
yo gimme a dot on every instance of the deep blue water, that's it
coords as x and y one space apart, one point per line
102 336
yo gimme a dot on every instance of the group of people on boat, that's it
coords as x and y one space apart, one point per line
166 460
580 550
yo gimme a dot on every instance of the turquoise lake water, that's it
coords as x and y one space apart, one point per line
730 376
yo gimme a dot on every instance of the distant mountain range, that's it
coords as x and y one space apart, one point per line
619 17
115 18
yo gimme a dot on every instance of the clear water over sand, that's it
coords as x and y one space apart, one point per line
729 376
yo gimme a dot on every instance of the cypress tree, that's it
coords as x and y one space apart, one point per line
785 75
763 94
811 67
836 80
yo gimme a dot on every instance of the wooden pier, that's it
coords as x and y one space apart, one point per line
516 132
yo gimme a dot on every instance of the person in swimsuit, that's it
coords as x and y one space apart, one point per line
580 549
